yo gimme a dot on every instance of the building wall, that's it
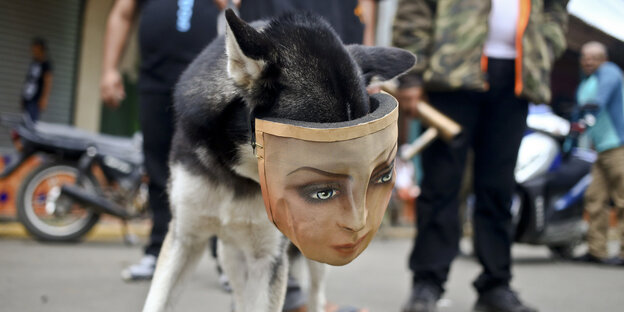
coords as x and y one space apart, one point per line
58 22
88 108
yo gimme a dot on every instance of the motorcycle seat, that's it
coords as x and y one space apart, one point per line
65 136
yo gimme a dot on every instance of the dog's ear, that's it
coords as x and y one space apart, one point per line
382 62
247 50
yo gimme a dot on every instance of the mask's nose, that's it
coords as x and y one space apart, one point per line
354 212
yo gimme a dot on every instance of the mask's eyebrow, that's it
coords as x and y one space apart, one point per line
389 162
321 172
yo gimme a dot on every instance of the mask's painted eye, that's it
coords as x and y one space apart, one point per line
320 193
385 178
324 194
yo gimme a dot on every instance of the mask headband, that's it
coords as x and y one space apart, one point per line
384 114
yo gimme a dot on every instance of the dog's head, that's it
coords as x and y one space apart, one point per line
296 67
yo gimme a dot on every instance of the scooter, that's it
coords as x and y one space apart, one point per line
547 206
81 176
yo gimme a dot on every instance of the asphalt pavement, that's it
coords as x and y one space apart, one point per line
86 277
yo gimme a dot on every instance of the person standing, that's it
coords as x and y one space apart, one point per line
353 20
38 83
602 86
171 34
481 62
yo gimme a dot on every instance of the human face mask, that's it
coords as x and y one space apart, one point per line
327 186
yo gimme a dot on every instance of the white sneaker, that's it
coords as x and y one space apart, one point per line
144 270
224 281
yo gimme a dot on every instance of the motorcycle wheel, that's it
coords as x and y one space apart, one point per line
47 216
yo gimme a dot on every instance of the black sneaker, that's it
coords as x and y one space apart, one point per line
617 261
423 298
500 299
589 258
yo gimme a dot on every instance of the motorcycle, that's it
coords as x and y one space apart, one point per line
547 206
82 175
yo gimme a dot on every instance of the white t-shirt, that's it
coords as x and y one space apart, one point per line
503 21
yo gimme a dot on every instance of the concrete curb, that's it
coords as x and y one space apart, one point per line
103 231
109 230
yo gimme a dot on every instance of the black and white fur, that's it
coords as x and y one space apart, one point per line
291 67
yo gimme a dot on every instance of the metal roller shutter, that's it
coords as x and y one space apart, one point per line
58 22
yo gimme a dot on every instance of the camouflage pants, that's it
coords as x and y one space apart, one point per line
607 183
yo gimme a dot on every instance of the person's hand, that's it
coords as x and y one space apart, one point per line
111 88
577 128
409 98
408 193
222 4
372 89
43 103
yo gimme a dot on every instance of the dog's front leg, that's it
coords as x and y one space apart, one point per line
234 265
261 285
317 300
177 257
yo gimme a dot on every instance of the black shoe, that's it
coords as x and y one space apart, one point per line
617 261
589 258
423 298
500 299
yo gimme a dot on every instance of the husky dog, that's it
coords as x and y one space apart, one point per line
292 67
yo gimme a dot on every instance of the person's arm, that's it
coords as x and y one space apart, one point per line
45 92
118 28
609 80
222 4
555 25
369 16
413 29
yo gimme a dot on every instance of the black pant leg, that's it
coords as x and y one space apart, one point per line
437 241
497 140
32 109
156 117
